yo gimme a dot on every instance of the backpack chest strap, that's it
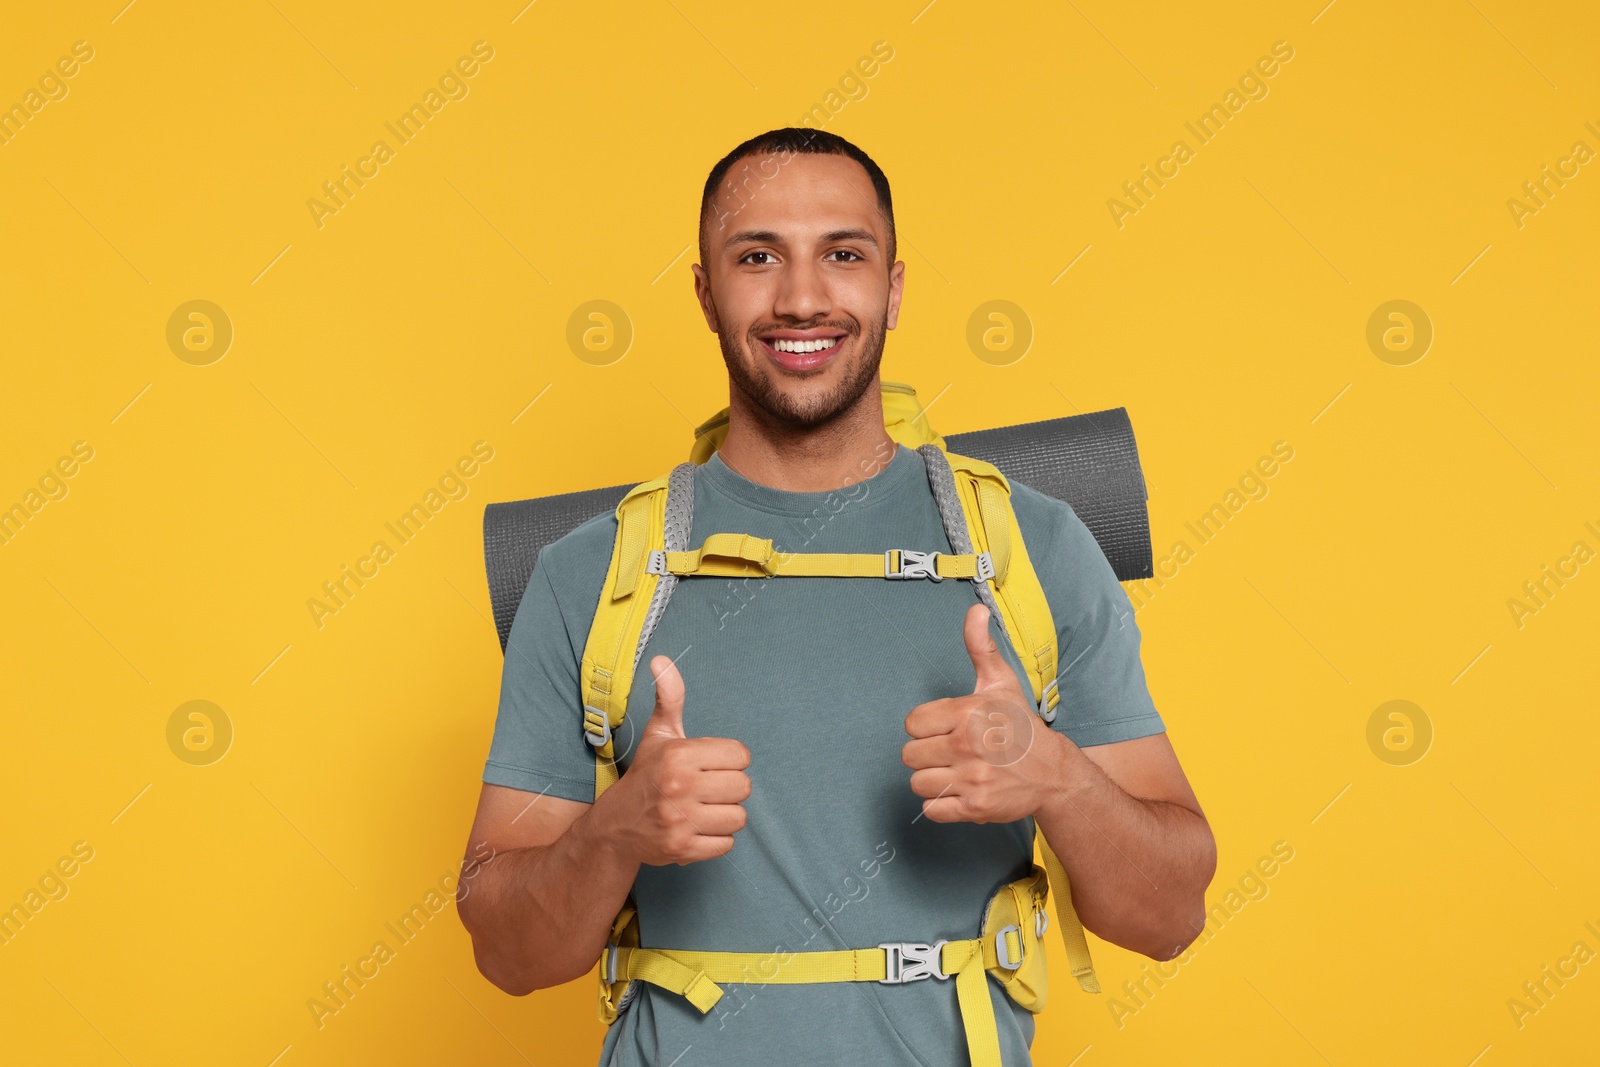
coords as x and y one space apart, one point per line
741 555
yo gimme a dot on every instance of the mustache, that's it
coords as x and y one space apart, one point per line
852 329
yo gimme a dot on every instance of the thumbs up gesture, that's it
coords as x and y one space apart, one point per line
686 791
985 757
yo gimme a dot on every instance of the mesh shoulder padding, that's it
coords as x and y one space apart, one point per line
1089 461
954 518
680 519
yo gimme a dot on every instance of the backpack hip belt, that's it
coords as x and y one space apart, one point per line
1010 948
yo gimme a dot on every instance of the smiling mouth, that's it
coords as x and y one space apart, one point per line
801 353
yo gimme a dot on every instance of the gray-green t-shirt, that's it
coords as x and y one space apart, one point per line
815 676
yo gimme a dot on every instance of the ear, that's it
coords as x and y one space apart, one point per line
897 284
702 293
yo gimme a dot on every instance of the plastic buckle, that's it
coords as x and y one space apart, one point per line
1001 953
985 568
657 563
912 961
913 564
611 963
589 734
1046 712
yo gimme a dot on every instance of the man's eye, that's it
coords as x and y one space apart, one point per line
746 257
845 252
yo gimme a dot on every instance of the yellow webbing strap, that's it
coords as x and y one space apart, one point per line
746 552
1072 934
739 555
606 673
605 774
668 972
977 1010
765 968
695 975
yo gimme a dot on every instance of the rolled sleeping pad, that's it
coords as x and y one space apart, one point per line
1090 461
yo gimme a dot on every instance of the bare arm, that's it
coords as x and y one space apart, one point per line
1126 826
540 909
1120 817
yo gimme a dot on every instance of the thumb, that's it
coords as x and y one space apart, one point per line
992 669
667 719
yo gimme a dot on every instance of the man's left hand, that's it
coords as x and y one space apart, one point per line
985 757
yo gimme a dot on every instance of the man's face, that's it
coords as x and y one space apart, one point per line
797 283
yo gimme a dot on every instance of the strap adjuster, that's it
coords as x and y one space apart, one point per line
1046 712
913 564
657 564
596 736
985 568
611 963
912 961
1002 953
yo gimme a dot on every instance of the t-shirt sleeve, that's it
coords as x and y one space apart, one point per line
538 741
1101 681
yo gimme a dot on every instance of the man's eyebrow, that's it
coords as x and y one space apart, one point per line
752 237
769 237
851 235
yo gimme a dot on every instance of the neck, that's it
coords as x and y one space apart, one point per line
849 448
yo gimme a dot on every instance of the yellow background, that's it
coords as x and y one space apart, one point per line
1229 313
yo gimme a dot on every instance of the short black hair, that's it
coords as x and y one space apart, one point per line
787 142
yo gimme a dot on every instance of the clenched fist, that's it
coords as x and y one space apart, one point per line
985 757
687 792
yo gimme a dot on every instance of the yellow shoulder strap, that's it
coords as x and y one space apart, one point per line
986 501
606 672
992 524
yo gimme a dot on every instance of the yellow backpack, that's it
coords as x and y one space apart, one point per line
651 554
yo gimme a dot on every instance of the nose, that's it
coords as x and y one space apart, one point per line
803 292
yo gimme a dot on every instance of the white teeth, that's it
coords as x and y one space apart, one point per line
803 347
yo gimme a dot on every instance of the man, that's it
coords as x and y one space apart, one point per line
832 726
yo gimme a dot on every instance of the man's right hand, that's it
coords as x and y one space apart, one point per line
687 791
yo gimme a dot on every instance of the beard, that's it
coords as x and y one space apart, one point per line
753 375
